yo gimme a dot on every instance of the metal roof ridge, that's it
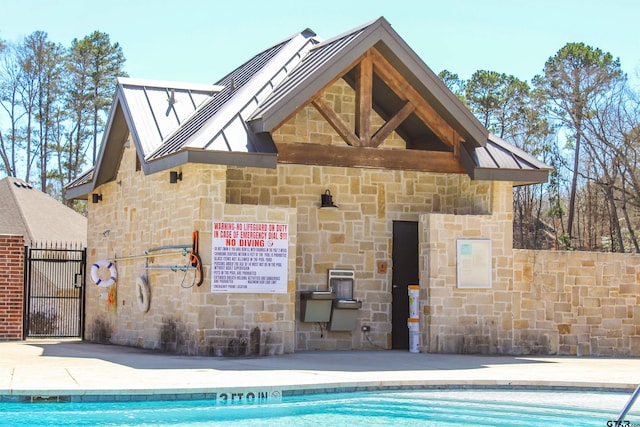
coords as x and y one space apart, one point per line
358 40
308 33
81 177
496 164
166 84
187 120
370 24
155 154
238 104
80 186
427 77
351 39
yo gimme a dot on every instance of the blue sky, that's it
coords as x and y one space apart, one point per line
200 41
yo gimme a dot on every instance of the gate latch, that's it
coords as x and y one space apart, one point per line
77 281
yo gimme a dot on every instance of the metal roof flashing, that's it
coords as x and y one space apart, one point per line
165 84
500 161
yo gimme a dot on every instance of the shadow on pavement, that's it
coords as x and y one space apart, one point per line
351 361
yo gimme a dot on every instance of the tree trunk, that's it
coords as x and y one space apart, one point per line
5 158
574 185
615 220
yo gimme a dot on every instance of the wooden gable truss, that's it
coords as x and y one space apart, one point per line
365 137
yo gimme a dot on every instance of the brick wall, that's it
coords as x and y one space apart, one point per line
11 286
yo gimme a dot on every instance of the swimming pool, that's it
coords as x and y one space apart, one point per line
460 407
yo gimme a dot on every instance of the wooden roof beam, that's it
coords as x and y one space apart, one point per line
423 110
336 122
364 100
365 157
392 124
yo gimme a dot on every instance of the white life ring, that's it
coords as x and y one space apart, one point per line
95 277
143 293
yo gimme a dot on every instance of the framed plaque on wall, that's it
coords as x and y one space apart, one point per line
473 263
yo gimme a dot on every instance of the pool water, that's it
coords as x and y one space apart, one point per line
478 407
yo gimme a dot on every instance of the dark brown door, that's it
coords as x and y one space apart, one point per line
405 273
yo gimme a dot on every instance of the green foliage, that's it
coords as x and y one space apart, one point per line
455 84
95 63
573 78
47 60
579 118
498 100
56 101
565 241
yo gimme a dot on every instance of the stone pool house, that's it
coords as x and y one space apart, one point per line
217 214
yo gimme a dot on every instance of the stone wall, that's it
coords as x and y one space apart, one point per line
268 318
11 286
355 236
576 303
140 212
358 234
461 320
540 302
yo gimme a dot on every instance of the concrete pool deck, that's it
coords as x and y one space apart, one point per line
47 368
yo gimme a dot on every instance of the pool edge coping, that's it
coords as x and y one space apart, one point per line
143 394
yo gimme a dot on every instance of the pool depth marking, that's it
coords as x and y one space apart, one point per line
248 397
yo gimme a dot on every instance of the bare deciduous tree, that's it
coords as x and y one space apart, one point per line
573 79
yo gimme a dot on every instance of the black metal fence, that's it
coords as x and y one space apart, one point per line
54 278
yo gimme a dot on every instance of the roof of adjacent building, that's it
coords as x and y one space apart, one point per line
27 211
231 121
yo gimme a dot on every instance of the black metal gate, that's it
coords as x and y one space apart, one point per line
54 280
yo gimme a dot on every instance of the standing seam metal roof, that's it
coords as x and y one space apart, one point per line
160 108
499 160
273 84
232 83
316 59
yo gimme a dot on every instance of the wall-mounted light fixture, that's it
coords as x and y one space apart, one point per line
95 198
175 177
326 200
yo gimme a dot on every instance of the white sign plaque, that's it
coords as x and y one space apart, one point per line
250 257
473 263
